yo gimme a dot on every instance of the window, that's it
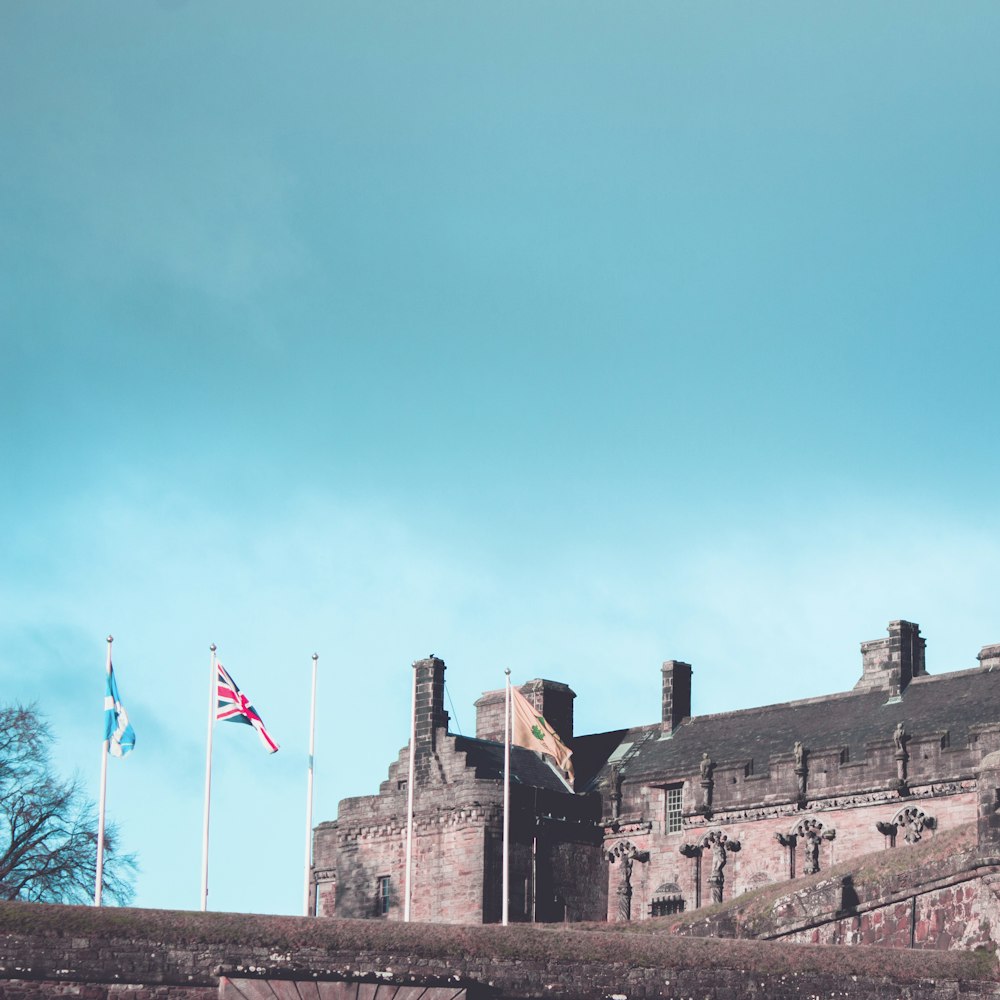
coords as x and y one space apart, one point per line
667 900
675 797
666 907
382 899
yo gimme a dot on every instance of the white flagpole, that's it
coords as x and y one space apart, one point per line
99 882
212 698
506 804
309 790
409 798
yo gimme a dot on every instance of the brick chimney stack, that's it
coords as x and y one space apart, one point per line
430 713
676 694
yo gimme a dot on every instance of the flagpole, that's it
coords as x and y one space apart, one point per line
506 804
409 798
99 881
309 790
212 698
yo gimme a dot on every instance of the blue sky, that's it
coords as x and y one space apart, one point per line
549 335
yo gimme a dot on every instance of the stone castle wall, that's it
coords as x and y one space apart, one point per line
50 951
761 859
555 862
449 837
777 813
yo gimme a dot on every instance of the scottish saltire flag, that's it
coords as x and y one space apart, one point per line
117 730
234 706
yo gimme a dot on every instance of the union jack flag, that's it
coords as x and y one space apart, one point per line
234 706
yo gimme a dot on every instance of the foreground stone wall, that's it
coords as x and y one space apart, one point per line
147 954
944 894
962 915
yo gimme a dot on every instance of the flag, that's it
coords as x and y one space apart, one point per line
234 706
530 730
117 731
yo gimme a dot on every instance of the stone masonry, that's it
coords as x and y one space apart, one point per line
787 790
48 951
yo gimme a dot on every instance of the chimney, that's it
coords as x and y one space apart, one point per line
555 702
550 698
989 657
891 663
676 694
430 713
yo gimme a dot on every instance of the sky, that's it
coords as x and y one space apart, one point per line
563 337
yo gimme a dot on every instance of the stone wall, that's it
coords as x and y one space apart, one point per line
99 954
941 894
746 790
369 842
964 915
555 870
761 858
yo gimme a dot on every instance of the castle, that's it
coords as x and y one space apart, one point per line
669 816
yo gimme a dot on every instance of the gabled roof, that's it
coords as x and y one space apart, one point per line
950 705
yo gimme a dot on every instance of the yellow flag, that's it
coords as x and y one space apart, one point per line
531 731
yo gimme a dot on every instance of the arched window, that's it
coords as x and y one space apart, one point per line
666 900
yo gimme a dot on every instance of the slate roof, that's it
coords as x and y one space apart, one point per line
949 704
526 766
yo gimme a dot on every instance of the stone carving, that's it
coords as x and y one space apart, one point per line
899 739
914 821
707 767
626 853
694 851
888 830
616 791
719 844
812 833
799 751
634 828
788 840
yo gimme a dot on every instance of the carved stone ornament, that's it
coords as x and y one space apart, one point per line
899 740
719 844
914 821
888 830
788 840
811 832
801 770
615 781
707 768
626 853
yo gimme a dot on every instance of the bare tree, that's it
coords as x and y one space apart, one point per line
48 828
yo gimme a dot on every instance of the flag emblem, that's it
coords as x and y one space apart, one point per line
234 706
530 730
118 732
